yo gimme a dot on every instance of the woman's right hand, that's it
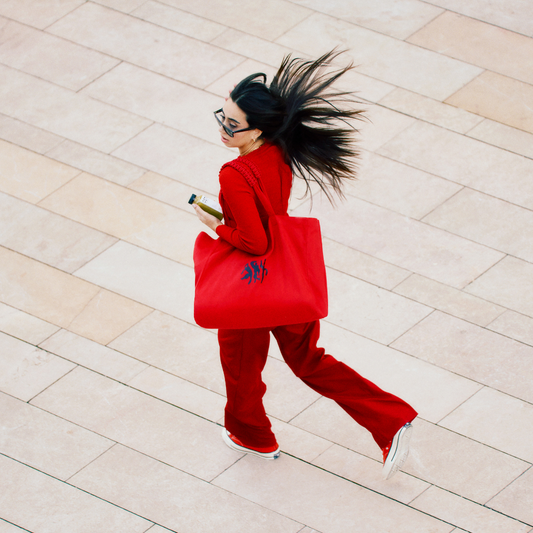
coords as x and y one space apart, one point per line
209 220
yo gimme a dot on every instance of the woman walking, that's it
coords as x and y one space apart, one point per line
299 125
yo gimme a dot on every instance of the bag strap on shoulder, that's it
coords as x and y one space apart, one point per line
252 175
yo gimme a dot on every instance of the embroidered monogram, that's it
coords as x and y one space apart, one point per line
254 271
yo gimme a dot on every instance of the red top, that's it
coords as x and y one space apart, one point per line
245 219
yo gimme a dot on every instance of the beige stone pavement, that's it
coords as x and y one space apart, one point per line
111 398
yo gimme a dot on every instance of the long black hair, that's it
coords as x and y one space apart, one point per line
306 117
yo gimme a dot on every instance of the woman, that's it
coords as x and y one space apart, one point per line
297 124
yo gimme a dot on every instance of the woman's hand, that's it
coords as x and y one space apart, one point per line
209 220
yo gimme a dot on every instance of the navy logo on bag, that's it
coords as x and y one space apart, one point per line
254 271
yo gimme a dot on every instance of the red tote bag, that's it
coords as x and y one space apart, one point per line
286 285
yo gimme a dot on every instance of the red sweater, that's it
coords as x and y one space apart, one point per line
245 219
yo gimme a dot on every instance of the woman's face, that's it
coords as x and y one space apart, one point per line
235 119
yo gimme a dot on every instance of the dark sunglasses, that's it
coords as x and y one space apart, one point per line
228 129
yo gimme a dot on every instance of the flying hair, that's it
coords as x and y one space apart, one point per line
312 122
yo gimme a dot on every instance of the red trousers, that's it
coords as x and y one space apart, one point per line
244 353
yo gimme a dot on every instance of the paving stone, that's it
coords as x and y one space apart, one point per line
113 398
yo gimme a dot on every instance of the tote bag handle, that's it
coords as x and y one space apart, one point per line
249 170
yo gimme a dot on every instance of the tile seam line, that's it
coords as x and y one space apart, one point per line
210 42
99 287
100 76
123 383
373 490
506 487
309 15
403 40
129 386
428 225
394 291
461 191
39 154
286 453
418 119
454 372
44 30
112 444
435 365
185 410
245 58
33 316
158 254
63 482
335 269
231 28
419 495
290 420
51 384
310 463
470 283
421 220
139 133
332 268
82 171
487 327
483 505
115 380
444 10
162 3
490 446
505 309
371 256
259 504
153 123
16 525
70 139
151 312
445 54
466 400
445 201
61 138
330 322
117 239
115 443
477 19
373 30
432 311
101 6
483 70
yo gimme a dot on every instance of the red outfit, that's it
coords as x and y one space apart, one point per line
244 352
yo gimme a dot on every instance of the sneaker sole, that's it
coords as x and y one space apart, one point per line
398 452
234 446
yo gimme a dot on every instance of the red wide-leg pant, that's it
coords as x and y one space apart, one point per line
244 353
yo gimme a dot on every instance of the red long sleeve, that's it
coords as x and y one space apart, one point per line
248 233
245 219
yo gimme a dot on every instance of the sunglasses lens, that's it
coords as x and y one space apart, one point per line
221 123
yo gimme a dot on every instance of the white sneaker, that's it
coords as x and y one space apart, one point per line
395 454
235 444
